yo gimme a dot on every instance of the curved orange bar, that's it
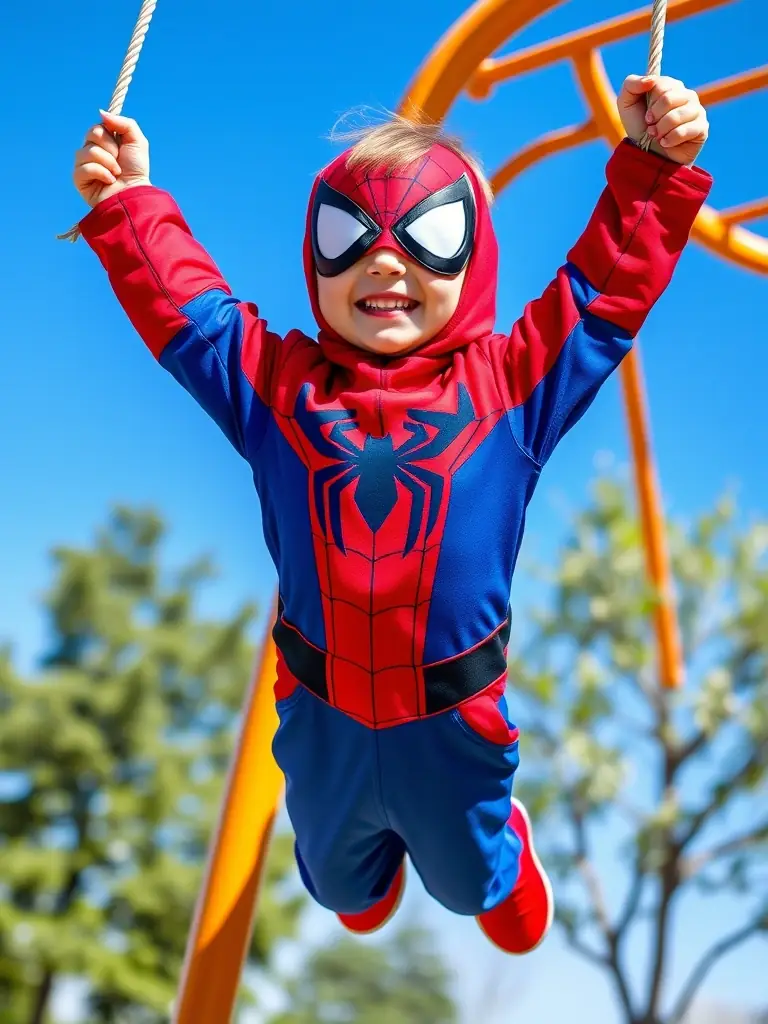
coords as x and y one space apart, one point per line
671 664
484 27
747 211
461 60
492 71
545 145
220 935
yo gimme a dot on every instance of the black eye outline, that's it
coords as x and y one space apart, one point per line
459 191
328 196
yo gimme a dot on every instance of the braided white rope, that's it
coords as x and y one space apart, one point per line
124 78
658 24
132 56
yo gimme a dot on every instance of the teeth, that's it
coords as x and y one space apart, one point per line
387 303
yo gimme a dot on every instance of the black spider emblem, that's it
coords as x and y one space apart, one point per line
378 465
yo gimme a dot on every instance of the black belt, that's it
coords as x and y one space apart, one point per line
447 683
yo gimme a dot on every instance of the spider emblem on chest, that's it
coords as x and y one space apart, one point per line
377 466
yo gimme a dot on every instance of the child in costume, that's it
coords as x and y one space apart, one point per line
394 458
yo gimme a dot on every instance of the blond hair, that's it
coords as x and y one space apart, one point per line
398 142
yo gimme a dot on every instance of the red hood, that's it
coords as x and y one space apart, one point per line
476 312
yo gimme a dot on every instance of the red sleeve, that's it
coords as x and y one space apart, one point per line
637 233
217 347
569 340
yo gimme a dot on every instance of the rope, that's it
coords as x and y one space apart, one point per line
124 78
132 56
658 23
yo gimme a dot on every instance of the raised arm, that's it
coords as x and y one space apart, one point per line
217 347
570 339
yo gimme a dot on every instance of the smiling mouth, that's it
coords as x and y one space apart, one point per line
386 306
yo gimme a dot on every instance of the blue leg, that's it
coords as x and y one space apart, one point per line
447 791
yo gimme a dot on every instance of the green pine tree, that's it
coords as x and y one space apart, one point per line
118 749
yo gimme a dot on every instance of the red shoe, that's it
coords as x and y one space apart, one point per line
520 922
375 917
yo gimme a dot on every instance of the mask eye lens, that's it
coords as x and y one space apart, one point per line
341 231
441 230
337 230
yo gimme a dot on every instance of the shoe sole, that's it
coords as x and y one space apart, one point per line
387 919
547 888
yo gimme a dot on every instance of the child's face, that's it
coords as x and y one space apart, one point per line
357 304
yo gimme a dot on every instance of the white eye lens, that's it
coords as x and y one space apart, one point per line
336 231
440 230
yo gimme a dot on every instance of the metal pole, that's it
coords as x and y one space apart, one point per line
670 656
220 935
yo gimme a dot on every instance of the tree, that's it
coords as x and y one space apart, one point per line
119 750
402 981
678 776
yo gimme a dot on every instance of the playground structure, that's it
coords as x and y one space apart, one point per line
462 61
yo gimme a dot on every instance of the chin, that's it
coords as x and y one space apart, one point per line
386 344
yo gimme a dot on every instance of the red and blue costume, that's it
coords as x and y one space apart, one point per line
394 492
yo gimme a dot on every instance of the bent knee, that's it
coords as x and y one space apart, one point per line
341 895
343 891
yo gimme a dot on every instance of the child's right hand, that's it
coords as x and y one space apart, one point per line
105 166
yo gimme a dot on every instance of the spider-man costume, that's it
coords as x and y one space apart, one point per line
393 492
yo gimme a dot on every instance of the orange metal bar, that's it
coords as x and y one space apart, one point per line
477 33
546 145
747 211
461 59
735 86
670 653
576 135
491 71
220 935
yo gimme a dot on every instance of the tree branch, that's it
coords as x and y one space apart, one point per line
691 866
631 903
669 886
693 746
610 960
587 871
606 961
727 786
598 959
708 961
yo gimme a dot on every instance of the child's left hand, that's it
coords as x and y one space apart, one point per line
675 119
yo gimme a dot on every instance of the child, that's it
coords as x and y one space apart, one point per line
394 459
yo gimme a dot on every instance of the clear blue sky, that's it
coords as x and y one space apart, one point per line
236 98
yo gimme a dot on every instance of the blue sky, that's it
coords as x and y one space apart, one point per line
236 99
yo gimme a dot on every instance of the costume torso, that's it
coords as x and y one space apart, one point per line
394 530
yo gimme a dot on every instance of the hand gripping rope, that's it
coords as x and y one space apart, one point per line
124 78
